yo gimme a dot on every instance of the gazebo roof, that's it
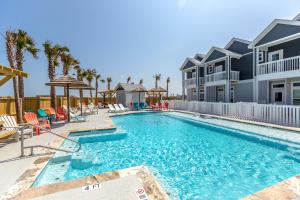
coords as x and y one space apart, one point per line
130 87
158 89
66 80
7 73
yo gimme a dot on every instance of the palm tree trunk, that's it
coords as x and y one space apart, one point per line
19 59
51 74
96 92
167 91
155 83
10 57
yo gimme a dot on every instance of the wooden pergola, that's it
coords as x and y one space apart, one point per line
7 73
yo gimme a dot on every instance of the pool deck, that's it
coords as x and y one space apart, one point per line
17 174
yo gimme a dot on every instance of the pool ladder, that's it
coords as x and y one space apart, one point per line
21 128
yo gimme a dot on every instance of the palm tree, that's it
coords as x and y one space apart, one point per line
90 74
141 81
53 53
24 43
128 79
97 78
10 49
108 80
168 81
157 78
68 62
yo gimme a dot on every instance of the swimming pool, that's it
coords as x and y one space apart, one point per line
192 160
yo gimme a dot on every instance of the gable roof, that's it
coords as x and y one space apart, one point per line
224 51
192 60
199 55
297 17
129 87
270 27
233 40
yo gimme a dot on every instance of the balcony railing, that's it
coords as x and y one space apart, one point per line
219 76
283 65
190 82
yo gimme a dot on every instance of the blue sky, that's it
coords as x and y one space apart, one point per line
134 37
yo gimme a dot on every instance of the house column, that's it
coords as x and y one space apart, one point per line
227 78
197 83
205 88
255 82
183 85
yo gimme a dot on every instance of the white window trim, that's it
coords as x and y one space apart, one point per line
210 68
193 74
292 91
261 56
270 54
218 67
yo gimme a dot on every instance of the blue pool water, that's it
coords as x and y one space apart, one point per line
192 160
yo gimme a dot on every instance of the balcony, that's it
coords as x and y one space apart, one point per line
284 68
190 83
219 78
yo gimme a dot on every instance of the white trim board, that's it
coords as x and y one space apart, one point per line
270 27
231 42
225 51
193 60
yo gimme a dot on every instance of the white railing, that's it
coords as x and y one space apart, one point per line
283 65
234 76
190 82
269 113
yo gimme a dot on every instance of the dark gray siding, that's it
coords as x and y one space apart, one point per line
290 49
198 58
215 55
239 47
188 65
244 65
201 71
279 31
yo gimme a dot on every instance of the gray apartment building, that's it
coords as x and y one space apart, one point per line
266 70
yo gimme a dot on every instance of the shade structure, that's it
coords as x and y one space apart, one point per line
7 73
83 87
67 82
156 91
139 90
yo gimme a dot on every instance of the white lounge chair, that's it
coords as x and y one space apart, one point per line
9 123
123 108
118 109
93 108
111 108
75 117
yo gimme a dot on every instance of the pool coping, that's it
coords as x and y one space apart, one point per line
288 188
22 188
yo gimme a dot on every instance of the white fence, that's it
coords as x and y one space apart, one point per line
275 114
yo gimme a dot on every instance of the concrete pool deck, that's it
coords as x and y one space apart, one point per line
17 174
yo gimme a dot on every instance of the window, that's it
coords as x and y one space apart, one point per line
280 85
296 93
261 56
201 94
278 97
219 68
194 75
210 69
275 55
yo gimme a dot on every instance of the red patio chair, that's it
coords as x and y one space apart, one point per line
166 105
57 115
31 118
61 111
